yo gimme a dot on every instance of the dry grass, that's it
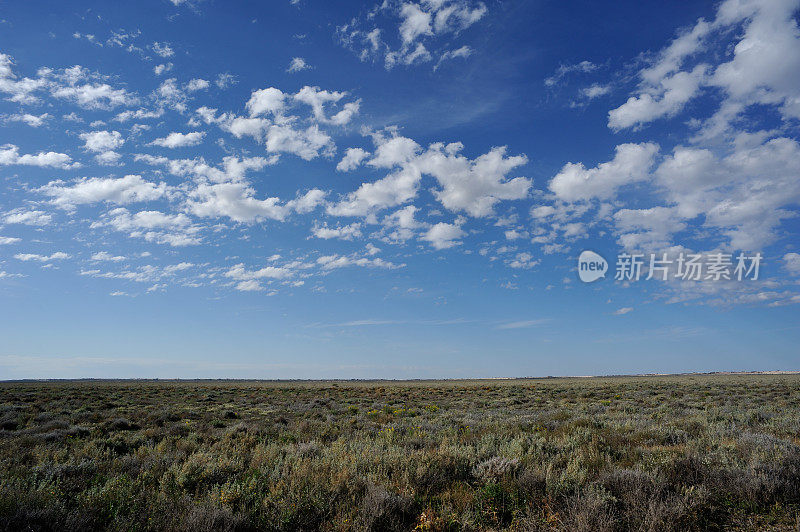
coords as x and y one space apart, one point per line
655 453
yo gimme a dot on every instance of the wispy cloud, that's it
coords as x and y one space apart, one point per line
526 324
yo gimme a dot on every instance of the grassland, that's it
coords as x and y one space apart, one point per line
639 453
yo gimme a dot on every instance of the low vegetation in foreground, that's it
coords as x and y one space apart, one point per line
640 453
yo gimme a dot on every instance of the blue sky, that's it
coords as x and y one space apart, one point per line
399 189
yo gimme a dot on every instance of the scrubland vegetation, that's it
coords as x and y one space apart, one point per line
639 453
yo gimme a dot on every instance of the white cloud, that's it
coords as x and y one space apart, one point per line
394 189
401 225
264 101
18 90
249 286
346 232
444 235
197 84
29 119
335 261
58 255
123 190
180 140
622 311
162 68
233 168
139 114
745 194
631 163
169 94
318 99
523 261
24 217
9 155
764 67
542 211
418 26
523 324
298 64
95 96
666 99
474 186
471 185
104 256
162 49
108 158
792 263
647 229
237 201
101 141
564 70
154 226
268 122
595 91
458 53
225 80
5 240
352 159
80 86
240 273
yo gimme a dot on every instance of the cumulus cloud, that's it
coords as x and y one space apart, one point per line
352 159
335 261
791 262
237 201
474 186
27 217
180 140
346 232
162 49
444 235
154 226
233 169
162 68
278 132
29 119
58 255
419 26
9 155
298 64
745 194
104 256
266 101
318 99
401 225
631 163
762 68
101 141
18 90
123 190
197 84
666 99
86 89
139 114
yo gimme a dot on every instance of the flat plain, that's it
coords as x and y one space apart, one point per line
692 452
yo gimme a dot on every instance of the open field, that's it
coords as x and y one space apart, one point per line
638 453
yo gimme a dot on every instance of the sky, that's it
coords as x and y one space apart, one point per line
397 189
